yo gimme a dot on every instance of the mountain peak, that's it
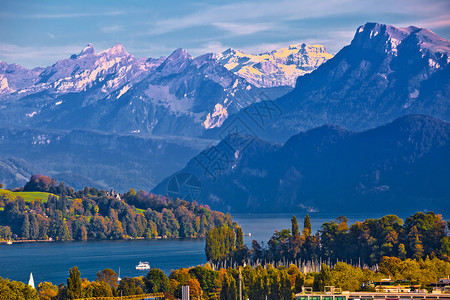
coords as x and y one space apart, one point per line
386 38
179 54
176 62
279 67
117 49
88 50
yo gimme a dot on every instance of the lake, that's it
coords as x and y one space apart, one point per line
52 261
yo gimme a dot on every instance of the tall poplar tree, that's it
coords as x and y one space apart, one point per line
295 228
74 284
26 227
307 226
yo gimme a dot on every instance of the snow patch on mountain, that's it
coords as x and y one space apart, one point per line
216 119
276 68
4 86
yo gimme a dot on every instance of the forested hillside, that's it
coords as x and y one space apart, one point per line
98 214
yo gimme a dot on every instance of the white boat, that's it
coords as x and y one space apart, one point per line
143 266
9 242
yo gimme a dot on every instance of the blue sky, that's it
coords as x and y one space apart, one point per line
37 33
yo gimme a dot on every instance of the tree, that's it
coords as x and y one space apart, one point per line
239 238
34 227
416 243
205 276
401 251
156 281
390 266
101 289
229 290
74 284
307 226
110 277
195 290
130 286
295 229
47 290
299 282
16 290
323 279
26 227
347 277
445 247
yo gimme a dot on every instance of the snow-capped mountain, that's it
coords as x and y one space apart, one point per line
113 91
385 73
276 68
79 72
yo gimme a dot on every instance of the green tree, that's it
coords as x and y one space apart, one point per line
239 238
110 277
101 289
323 279
74 284
156 281
16 290
307 226
299 282
26 227
229 290
130 286
445 247
34 227
347 277
294 227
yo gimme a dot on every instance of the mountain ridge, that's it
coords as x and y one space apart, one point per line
394 167
372 81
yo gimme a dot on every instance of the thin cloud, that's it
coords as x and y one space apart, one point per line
50 35
288 10
244 29
112 29
61 15
26 55
210 47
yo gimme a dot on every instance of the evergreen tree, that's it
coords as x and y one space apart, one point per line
307 226
239 238
34 227
295 228
74 284
26 227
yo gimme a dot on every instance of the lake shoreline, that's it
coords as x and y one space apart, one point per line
95 240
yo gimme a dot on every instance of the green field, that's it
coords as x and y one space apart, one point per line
139 211
28 196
